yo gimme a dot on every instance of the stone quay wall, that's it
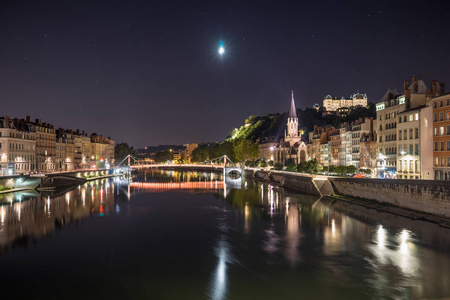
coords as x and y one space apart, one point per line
422 195
298 183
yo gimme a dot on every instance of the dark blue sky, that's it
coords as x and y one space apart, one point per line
148 73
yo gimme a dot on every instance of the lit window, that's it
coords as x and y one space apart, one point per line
416 116
441 130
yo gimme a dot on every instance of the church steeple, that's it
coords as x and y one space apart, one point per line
292 123
292 110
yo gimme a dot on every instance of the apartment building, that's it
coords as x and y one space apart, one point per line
441 137
17 146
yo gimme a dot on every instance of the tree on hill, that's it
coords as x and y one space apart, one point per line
121 151
245 150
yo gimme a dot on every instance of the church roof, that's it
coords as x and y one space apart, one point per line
292 110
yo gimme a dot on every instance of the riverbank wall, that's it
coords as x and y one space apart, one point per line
294 182
428 196
421 195
28 182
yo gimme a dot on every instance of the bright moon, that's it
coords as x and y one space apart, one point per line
221 50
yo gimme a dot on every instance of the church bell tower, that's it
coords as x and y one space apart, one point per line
292 122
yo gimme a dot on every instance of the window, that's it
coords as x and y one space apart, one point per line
435 104
442 161
405 134
411 149
448 161
447 102
410 165
436 161
404 118
399 119
435 118
411 134
441 116
442 146
448 129
416 116
435 131
441 130
417 150
435 146
441 103
448 144
400 165
417 133
411 118
447 113
417 166
400 135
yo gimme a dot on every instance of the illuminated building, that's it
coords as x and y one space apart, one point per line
332 105
415 143
17 146
441 136
102 151
45 146
291 147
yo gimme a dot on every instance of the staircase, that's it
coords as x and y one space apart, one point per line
324 187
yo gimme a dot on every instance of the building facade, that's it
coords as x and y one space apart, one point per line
334 104
441 137
17 146
415 143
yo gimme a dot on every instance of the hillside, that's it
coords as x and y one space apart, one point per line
273 125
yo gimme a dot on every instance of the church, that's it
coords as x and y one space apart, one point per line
291 146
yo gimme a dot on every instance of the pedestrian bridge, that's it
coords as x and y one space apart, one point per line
222 164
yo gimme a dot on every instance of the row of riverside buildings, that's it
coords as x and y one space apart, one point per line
27 146
408 139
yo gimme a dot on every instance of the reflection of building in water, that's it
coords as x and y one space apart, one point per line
293 234
36 216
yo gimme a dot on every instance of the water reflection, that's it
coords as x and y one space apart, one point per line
29 215
259 234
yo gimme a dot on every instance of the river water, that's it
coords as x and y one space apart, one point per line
175 235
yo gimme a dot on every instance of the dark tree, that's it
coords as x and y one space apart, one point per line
121 151
164 156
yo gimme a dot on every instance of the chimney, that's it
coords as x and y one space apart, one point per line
6 121
407 94
415 84
28 119
22 124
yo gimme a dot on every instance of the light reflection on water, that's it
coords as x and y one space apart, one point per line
263 235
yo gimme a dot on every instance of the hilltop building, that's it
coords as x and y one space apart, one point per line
343 104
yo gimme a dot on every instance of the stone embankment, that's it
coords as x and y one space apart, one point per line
17 183
421 195
317 186
426 196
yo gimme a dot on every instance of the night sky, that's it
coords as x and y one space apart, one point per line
149 73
